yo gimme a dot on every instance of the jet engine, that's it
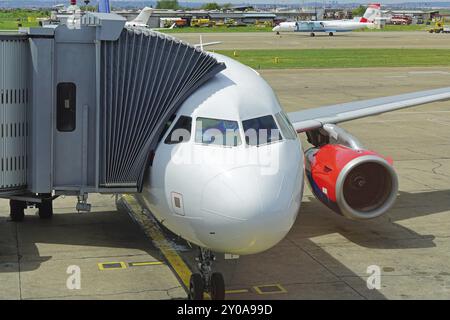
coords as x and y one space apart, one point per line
352 181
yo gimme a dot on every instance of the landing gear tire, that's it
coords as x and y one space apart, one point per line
278 33
196 287
17 210
331 34
217 286
206 280
312 34
45 209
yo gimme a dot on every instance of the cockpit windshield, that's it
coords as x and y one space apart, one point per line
217 132
285 125
262 130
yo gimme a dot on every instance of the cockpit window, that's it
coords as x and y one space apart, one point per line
285 126
262 130
181 131
217 132
167 126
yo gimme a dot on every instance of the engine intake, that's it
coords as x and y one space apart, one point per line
356 183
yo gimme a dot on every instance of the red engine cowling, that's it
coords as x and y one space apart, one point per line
358 184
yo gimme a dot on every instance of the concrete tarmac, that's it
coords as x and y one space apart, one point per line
269 40
37 256
325 256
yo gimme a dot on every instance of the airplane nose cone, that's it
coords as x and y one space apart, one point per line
276 28
247 211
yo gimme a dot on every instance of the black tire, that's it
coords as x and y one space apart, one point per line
196 287
331 34
312 34
217 286
17 210
45 209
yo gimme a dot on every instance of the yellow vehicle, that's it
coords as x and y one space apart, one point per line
439 27
201 22
263 24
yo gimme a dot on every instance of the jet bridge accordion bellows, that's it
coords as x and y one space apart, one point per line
13 113
144 78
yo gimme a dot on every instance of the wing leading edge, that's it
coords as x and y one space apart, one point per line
315 118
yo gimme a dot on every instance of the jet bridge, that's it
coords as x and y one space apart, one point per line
82 104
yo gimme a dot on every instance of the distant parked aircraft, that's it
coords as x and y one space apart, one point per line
142 19
332 26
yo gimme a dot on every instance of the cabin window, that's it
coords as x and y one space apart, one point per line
262 130
66 106
181 131
217 132
285 126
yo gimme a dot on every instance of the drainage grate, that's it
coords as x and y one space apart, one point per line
112 265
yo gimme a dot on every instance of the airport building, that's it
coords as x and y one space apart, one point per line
417 16
241 18
221 17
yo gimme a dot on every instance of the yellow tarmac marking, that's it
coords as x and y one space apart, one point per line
171 255
263 289
152 231
141 264
236 291
111 265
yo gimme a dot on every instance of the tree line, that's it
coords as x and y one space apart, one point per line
174 5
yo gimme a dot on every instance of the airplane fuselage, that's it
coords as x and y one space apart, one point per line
322 26
136 24
237 198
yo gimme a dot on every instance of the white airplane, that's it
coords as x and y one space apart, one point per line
331 26
228 174
142 19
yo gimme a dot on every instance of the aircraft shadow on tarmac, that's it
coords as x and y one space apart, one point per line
382 232
100 233
115 230
316 220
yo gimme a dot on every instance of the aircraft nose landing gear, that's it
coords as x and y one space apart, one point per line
206 280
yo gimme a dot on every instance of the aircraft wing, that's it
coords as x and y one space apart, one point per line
315 118
199 45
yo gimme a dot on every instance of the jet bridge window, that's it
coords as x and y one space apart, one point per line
181 131
66 106
262 130
217 132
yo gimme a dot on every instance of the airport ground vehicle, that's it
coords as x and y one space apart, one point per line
201 22
401 20
263 24
439 27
